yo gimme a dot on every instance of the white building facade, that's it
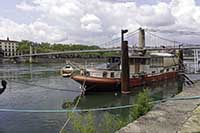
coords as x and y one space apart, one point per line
9 47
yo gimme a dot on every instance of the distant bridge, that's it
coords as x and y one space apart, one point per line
66 52
148 41
106 50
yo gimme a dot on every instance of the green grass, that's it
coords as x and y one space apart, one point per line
88 122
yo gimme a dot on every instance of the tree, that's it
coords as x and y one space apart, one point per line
24 46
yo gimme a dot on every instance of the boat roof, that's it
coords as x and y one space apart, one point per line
140 57
162 54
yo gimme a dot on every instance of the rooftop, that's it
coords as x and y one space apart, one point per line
8 40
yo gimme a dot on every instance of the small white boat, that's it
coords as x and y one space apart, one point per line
67 70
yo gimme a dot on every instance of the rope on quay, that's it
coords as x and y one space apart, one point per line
177 98
95 109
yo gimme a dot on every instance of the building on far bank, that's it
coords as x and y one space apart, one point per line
9 47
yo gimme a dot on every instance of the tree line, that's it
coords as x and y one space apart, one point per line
44 47
24 46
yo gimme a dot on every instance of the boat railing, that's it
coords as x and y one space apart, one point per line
104 73
154 72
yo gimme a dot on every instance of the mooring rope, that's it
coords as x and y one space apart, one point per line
95 109
77 102
67 121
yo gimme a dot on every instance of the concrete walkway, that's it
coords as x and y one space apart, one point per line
170 116
192 125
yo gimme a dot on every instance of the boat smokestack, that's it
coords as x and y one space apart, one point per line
141 38
125 65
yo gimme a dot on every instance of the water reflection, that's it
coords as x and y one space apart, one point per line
103 100
41 87
28 71
157 91
34 87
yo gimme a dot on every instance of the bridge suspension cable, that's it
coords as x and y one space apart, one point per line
175 32
157 41
116 42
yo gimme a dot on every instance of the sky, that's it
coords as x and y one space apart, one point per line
93 21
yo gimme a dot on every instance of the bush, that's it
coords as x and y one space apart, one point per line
83 124
110 123
143 104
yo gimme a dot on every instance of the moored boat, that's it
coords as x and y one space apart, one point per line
144 70
66 71
132 69
69 69
114 84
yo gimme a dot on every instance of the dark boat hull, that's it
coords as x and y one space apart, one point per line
114 84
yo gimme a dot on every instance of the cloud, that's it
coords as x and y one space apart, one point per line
90 22
187 14
24 6
156 15
100 20
37 31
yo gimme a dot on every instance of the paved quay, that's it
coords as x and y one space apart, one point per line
180 116
192 125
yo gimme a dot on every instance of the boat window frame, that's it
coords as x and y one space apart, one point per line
105 74
112 74
156 61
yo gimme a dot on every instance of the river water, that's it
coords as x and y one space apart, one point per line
40 86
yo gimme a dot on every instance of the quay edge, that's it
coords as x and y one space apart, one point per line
167 117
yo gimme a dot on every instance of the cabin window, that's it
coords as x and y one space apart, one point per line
173 68
112 74
117 60
156 61
138 61
114 60
161 71
105 74
87 73
167 69
143 61
153 71
147 61
67 66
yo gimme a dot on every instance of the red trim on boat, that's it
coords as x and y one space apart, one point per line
110 84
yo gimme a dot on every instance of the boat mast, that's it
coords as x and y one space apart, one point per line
125 64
